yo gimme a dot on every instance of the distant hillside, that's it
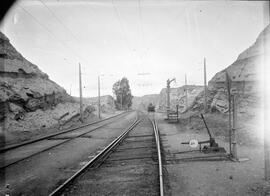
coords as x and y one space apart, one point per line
106 103
143 101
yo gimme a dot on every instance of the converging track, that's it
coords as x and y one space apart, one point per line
17 153
129 165
42 172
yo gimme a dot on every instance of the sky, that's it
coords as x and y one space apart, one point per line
147 41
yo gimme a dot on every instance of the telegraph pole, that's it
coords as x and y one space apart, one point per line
186 91
205 86
99 97
80 84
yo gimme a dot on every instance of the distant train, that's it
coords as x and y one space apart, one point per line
151 108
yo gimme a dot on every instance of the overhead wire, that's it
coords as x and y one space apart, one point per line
144 50
122 27
51 34
59 21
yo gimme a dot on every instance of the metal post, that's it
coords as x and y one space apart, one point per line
234 146
205 86
80 84
99 97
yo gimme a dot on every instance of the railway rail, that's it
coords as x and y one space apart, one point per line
136 149
78 132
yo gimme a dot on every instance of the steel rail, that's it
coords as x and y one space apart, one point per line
7 148
161 189
100 156
53 146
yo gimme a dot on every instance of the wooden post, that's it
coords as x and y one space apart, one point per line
205 86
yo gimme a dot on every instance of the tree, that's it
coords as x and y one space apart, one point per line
122 92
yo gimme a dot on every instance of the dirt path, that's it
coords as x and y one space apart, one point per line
211 177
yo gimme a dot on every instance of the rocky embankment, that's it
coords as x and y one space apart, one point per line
29 100
245 75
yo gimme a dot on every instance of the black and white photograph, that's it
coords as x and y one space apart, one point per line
134 98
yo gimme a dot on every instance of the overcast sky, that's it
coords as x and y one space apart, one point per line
147 41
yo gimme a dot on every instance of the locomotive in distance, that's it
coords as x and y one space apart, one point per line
151 108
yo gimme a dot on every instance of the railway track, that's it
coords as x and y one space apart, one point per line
129 165
21 152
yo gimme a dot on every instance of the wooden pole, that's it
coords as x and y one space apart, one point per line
205 86
80 85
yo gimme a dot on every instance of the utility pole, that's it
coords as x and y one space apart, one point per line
99 97
186 89
205 86
80 84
